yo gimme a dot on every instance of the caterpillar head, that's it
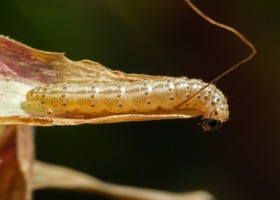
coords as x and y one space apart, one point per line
214 120
211 124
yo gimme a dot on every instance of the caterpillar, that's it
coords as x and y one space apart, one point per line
163 95
143 96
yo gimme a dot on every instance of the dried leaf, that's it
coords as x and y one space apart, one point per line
18 181
16 158
53 176
23 68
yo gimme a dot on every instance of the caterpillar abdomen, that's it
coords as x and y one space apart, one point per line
131 97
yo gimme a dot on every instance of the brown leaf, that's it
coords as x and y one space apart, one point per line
16 158
18 181
23 68
53 176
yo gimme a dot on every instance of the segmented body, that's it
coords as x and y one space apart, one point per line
132 97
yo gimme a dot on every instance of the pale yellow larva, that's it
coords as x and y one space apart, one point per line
168 94
143 96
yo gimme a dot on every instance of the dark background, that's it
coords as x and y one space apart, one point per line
164 37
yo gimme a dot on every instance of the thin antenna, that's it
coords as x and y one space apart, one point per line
230 29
